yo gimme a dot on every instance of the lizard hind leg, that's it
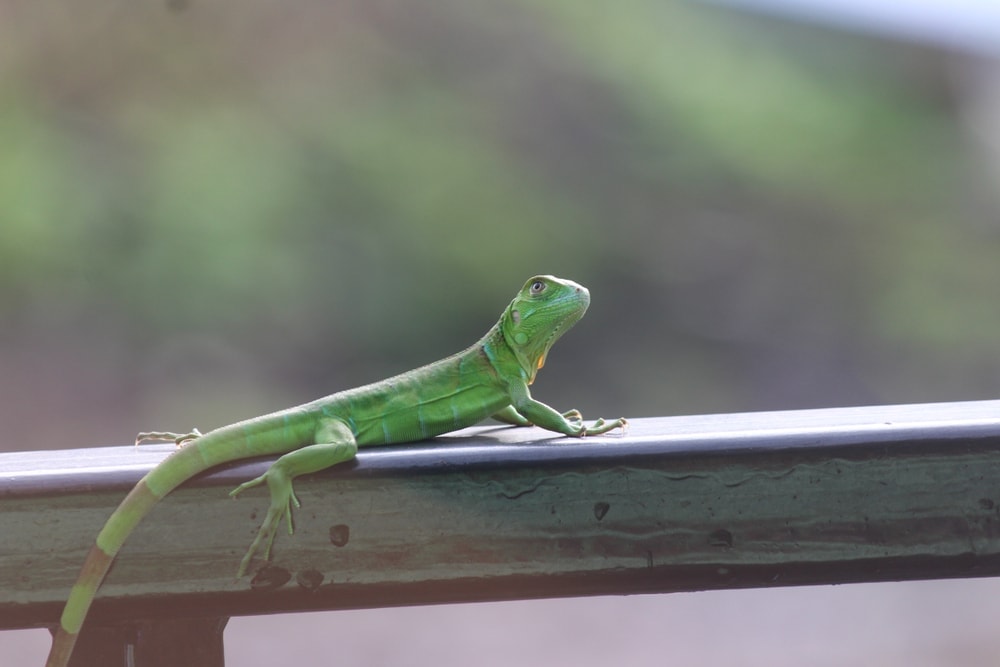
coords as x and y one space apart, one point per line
335 444
179 439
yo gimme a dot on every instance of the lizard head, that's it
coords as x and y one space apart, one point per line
540 313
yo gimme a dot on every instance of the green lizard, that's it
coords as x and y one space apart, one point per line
490 378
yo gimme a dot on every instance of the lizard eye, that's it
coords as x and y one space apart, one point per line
537 287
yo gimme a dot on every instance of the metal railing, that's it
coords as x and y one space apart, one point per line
495 513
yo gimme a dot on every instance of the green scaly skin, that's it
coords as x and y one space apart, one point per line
490 378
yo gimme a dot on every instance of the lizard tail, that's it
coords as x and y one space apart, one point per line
136 505
222 445
183 464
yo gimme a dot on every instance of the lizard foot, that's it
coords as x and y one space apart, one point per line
180 439
602 426
282 500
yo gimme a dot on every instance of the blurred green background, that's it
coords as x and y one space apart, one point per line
213 209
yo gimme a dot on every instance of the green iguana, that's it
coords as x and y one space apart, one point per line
490 378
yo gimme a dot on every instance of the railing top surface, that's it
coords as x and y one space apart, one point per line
53 470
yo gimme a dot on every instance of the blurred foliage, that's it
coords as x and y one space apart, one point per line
208 210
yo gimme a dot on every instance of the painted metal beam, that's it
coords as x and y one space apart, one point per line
677 504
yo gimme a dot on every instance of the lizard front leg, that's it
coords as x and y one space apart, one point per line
509 415
335 444
568 423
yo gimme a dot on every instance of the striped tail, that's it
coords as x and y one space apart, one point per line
136 505
276 433
219 446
